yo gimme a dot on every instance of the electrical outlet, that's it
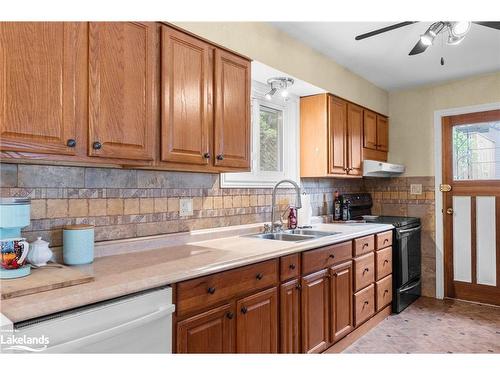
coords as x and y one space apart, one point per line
415 189
185 207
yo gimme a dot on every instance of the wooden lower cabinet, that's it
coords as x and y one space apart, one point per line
315 311
290 317
257 323
212 331
341 301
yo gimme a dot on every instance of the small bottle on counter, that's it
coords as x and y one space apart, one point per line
292 218
346 214
337 207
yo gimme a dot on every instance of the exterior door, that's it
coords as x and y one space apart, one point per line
471 198
208 332
257 323
341 300
232 111
122 92
355 140
337 137
42 86
315 311
186 87
290 317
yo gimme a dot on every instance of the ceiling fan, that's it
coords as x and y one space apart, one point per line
457 30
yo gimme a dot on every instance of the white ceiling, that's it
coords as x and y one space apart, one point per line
262 72
384 60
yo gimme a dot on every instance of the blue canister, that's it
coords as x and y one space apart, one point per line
78 244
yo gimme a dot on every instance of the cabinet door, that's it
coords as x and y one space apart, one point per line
370 130
232 111
315 311
290 317
186 80
382 133
122 93
341 301
354 139
257 323
337 123
208 332
42 86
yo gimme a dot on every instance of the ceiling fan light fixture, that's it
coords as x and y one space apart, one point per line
453 40
459 28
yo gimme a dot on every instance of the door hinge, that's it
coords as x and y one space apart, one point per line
444 187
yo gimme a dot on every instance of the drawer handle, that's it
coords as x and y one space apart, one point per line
244 310
365 245
211 290
298 286
291 266
230 315
366 270
259 276
385 292
331 256
386 240
386 261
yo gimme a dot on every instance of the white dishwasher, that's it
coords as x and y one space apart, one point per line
137 323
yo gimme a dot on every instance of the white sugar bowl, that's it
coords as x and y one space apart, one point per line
39 253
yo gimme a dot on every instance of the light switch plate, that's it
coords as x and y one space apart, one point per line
185 207
415 189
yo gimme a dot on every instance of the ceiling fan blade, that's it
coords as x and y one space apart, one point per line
384 29
493 25
419 48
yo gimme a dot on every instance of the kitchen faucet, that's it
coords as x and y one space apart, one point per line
298 204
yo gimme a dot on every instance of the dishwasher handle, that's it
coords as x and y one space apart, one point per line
110 332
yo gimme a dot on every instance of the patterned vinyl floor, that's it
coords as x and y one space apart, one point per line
435 326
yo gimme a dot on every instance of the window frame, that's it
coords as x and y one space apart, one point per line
290 150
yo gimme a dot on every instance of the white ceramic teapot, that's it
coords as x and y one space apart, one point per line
39 253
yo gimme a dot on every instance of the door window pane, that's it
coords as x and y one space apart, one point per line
476 151
271 125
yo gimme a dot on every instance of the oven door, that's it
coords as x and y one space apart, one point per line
408 255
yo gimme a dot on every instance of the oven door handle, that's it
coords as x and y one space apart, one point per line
401 231
411 286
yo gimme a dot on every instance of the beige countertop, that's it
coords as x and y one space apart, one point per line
122 274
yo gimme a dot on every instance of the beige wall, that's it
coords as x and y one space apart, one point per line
411 112
266 44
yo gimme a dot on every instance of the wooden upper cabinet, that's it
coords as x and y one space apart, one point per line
337 123
382 133
342 318
370 130
42 86
315 312
355 139
290 317
257 323
212 331
122 89
232 111
186 88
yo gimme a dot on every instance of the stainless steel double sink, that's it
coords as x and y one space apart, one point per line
294 235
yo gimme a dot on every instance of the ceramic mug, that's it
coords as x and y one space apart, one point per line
14 252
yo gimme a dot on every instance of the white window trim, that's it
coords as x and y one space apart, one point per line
291 144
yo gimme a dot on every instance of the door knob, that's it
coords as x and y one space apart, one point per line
449 211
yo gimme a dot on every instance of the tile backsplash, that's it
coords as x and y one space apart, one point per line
125 203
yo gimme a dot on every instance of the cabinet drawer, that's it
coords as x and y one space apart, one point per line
364 245
383 290
383 239
205 291
289 266
383 261
364 271
315 260
364 302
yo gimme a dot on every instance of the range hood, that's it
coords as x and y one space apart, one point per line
374 168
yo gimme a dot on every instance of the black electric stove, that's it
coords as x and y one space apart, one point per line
406 249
